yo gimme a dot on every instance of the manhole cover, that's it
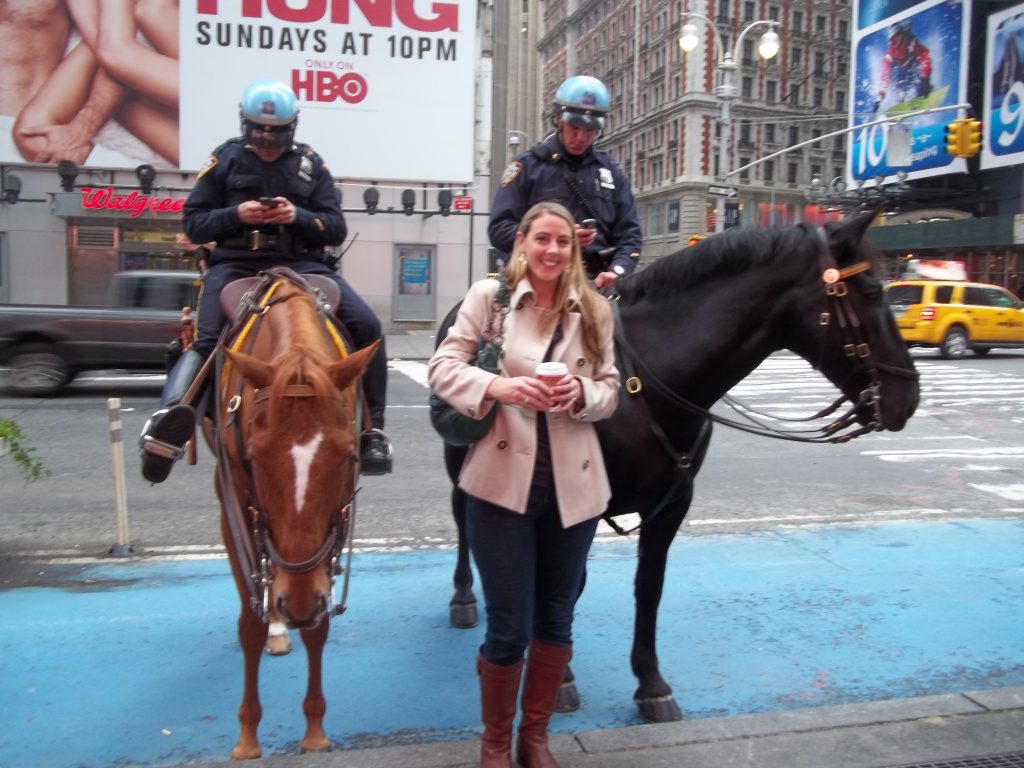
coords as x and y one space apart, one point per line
1008 760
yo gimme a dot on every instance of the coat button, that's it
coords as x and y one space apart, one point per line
580 362
502 445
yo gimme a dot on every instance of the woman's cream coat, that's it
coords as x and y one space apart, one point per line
499 468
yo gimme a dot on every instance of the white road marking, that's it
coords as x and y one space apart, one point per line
1010 492
414 369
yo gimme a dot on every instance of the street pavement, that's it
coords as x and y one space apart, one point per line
817 646
857 646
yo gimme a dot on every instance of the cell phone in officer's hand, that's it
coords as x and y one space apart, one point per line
270 202
589 223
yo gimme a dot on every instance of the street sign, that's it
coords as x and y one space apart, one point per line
721 190
462 203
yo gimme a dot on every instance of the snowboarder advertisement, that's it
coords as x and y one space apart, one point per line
903 64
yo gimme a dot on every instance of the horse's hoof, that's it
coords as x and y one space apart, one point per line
317 745
662 709
463 615
568 699
278 645
245 752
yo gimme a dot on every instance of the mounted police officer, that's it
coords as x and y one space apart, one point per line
264 200
566 168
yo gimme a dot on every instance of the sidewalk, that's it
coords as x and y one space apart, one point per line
834 646
981 729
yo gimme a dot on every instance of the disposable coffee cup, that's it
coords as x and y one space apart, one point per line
551 373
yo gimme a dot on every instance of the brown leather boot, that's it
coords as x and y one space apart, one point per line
499 689
545 667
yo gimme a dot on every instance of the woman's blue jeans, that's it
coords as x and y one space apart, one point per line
530 569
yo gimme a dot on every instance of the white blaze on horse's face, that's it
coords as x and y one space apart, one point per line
303 455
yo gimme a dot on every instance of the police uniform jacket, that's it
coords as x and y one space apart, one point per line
235 174
499 468
541 173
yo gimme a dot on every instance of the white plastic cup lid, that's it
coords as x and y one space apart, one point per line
552 370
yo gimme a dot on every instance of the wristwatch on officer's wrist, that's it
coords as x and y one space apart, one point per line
619 270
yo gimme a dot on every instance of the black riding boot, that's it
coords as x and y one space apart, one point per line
163 439
375 448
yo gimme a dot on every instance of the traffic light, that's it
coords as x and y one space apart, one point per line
954 137
970 137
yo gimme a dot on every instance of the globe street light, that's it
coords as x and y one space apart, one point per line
514 141
767 47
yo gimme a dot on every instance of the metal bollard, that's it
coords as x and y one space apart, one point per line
121 548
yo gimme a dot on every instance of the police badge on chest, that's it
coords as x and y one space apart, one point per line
306 169
605 179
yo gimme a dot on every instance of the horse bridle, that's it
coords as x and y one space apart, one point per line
268 558
838 306
256 546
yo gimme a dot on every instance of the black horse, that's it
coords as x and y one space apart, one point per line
691 326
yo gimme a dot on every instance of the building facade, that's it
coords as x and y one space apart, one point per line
665 128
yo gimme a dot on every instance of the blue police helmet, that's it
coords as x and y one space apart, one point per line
271 108
582 101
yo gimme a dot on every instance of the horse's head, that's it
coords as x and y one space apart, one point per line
862 352
300 442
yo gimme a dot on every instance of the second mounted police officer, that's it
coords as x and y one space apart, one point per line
566 168
264 200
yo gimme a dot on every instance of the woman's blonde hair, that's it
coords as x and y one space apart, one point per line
590 304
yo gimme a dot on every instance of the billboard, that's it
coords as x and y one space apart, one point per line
1003 110
385 87
906 57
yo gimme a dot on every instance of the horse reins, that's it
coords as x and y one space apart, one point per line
839 306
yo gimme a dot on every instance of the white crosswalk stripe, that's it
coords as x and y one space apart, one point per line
788 386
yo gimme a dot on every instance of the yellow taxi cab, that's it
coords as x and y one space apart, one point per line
956 315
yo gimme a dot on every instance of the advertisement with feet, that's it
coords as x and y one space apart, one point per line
385 87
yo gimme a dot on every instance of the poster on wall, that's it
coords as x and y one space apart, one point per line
1003 110
385 88
907 57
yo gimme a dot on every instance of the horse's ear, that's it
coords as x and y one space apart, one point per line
344 372
257 372
852 228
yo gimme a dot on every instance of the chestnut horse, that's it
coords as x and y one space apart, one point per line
285 439
690 327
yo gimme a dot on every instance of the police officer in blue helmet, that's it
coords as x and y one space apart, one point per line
566 168
264 200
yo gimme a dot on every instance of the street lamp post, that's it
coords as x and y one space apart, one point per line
514 141
767 47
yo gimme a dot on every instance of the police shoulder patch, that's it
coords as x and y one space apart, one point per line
210 165
511 173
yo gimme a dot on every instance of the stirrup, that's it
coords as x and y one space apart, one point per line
376 456
163 440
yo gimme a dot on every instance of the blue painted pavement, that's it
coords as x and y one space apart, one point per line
136 663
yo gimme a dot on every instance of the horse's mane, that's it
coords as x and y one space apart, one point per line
301 364
732 252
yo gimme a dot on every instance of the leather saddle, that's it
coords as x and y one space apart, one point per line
233 293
